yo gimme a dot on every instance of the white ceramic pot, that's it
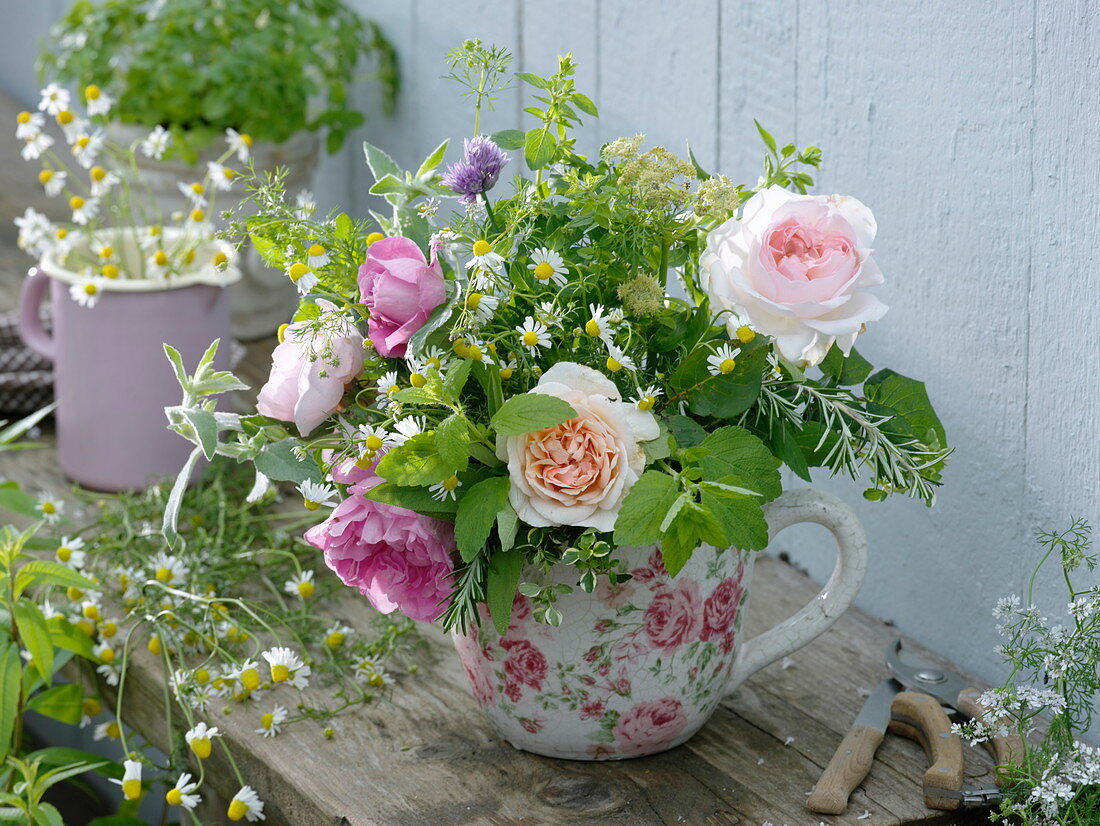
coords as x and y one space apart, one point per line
639 667
264 298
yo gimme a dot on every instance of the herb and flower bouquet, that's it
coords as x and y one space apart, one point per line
589 353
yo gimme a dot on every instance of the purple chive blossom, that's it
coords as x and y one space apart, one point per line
478 170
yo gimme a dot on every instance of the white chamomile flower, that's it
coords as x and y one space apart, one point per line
316 256
70 552
246 805
483 257
506 368
35 231
406 428
72 126
110 672
387 384
618 360
547 265
598 324
221 176
240 143
372 437
305 203
84 209
442 491
616 316
168 568
317 494
183 793
647 397
477 350
300 585
723 360
199 739
49 612
436 357
102 181
87 290
50 508
55 99
482 305
156 143
303 277
196 221
429 208
107 731
533 334
287 667
366 671
195 192
548 314
131 780
98 101
33 147
337 634
29 125
86 148
271 722
158 264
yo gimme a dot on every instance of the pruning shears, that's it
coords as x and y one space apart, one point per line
919 702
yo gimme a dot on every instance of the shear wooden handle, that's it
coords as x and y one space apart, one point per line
850 764
1005 751
921 718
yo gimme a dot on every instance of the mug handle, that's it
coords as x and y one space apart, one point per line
32 332
808 505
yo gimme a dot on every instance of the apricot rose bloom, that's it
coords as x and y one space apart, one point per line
578 472
794 268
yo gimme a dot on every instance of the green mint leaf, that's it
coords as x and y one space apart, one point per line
500 589
736 454
644 509
529 412
416 462
477 513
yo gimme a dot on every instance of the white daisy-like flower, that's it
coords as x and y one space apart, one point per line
303 277
70 552
196 221
406 428
72 126
220 176
183 793
300 585
107 731
240 143
156 143
429 208
35 230
270 723
287 667
436 357
131 780
447 489
506 368
29 124
246 805
477 350
102 181
618 360
158 264
387 384
98 102
533 334
316 256
55 99
482 305
337 634
84 209
366 671
306 204
616 316
248 675
53 181
372 437
86 148
483 257
317 494
548 314
195 192
50 508
168 568
110 672
33 147
598 324
722 361
547 265
646 398
49 612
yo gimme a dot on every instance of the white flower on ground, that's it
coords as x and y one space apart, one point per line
337 635
317 494
168 568
287 667
300 585
183 793
366 671
533 334
270 722
156 143
442 491
240 143
199 739
547 265
246 805
722 361
55 99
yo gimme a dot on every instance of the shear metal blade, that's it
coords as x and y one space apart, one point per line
917 676
876 709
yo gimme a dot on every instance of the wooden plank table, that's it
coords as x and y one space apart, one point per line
426 755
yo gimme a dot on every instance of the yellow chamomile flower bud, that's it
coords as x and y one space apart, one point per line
109 271
282 332
62 233
482 247
417 379
297 270
76 202
173 796
86 627
83 141
198 188
530 338
24 117
154 645
97 173
45 176
114 731
160 258
250 679
592 328
474 352
727 365
220 258
74 593
197 215
164 574
91 706
107 654
91 92
506 372
613 364
543 271
335 639
91 611
64 117
373 442
64 553
450 483
108 629
279 673
374 237
473 300
745 334
306 588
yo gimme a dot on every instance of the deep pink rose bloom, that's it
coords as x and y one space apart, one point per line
303 391
650 726
400 289
525 663
673 616
397 558
720 609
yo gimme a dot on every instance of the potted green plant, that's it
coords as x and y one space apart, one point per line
276 73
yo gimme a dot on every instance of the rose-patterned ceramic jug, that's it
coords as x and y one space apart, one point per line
638 667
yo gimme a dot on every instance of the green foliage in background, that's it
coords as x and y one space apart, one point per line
198 67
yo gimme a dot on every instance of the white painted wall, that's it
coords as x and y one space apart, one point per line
973 132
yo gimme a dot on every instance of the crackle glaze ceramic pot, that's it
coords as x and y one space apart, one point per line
637 668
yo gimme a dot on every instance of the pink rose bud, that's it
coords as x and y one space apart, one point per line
400 289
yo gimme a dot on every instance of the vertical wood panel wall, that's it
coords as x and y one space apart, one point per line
971 130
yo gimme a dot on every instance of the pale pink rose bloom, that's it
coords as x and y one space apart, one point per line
650 726
400 289
795 268
397 558
303 387
674 615
578 472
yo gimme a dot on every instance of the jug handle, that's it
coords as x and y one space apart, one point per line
808 505
32 332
